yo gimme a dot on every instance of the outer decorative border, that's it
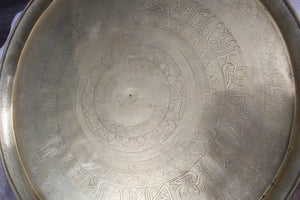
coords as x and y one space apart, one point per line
15 172
289 24
283 185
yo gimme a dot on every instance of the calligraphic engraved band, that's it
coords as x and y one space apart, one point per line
144 100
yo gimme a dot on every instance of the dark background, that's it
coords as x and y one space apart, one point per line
8 9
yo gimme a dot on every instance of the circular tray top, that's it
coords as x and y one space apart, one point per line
152 100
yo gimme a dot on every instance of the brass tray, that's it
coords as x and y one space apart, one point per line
152 100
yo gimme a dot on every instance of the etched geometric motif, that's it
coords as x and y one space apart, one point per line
144 100
134 72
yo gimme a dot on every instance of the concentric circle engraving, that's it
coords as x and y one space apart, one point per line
138 90
134 88
145 96
150 100
136 97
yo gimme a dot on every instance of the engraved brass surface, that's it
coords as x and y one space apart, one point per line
149 100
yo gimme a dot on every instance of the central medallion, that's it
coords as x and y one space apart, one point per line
132 97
